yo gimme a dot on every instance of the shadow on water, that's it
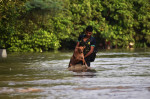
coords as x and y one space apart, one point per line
120 74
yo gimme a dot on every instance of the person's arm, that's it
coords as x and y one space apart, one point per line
77 45
93 43
90 52
78 42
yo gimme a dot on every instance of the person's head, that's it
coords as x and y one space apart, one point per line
89 31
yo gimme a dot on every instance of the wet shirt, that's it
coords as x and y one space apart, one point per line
90 42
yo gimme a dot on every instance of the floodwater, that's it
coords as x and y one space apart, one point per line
121 74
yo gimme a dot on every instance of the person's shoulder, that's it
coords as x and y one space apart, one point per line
82 35
92 38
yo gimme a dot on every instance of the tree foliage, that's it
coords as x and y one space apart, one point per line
36 25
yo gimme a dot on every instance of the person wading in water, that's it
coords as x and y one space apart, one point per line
89 42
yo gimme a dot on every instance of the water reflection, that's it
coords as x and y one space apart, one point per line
119 75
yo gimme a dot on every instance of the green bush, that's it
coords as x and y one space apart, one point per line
42 25
39 41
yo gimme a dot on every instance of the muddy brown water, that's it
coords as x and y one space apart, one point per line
120 74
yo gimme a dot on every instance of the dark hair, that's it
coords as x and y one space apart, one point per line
89 28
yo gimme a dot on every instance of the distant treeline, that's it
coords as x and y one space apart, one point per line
43 25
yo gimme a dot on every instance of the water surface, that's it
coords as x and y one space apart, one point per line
121 74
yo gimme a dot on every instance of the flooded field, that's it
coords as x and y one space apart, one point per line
121 74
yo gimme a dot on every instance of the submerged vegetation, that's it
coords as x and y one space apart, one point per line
42 25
